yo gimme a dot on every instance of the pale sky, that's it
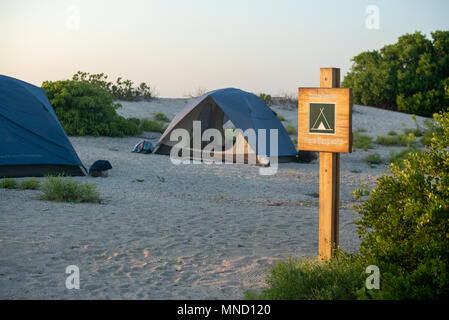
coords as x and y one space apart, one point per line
178 46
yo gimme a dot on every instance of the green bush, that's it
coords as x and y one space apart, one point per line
65 190
308 279
290 129
396 140
84 109
266 98
410 76
392 133
29 184
373 158
121 89
405 227
152 125
8 183
361 141
433 130
159 116
397 158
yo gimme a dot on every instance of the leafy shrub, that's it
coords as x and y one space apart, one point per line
396 140
405 227
152 125
8 183
373 158
361 141
418 132
387 140
121 89
290 129
410 76
397 158
308 279
392 133
266 98
65 190
29 184
433 129
159 116
84 109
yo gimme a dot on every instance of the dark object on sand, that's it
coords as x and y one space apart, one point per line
306 156
100 168
144 146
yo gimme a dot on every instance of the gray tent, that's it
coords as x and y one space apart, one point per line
245 110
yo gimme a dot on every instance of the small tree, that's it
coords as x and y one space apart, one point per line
86 109
411 75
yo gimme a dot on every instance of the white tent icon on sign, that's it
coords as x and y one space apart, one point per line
321 122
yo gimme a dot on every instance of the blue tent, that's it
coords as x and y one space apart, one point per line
244 109
32 141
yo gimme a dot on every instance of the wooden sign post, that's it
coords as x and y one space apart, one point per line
325 125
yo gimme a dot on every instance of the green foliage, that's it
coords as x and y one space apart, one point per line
65 190
433 130
29 184
397 158
308 279
396 140
85 109
373 158
361 141
8 183
410 76
266 98
405 227
152 125
121 89
358 193
159 116
290 129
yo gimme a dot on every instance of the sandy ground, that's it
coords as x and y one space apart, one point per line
205 231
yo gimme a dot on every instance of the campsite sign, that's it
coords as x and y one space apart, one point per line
325 125
322 118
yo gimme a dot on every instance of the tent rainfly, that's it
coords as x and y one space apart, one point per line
246 111
32 140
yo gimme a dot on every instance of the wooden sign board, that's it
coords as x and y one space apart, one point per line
325 119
